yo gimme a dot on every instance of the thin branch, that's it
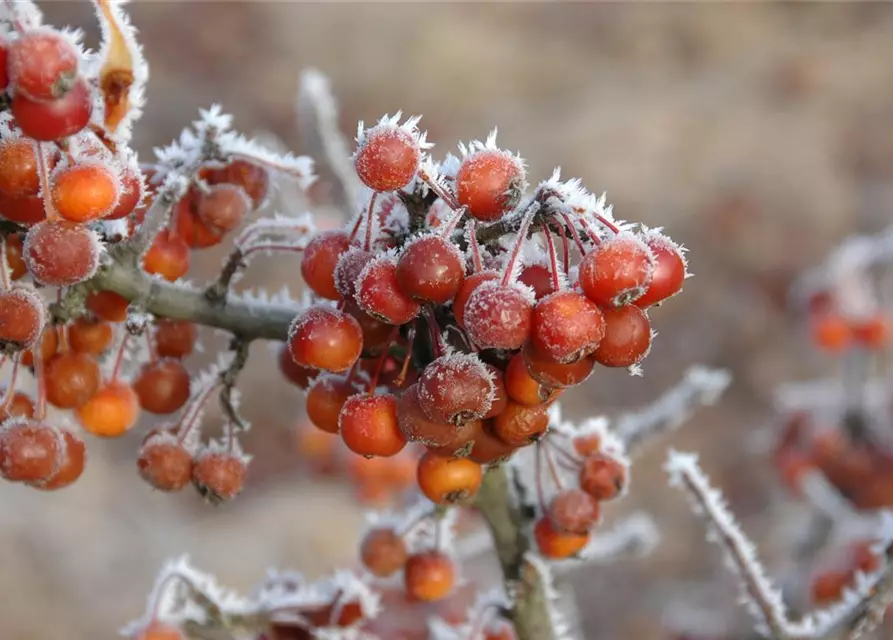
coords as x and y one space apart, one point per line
229 377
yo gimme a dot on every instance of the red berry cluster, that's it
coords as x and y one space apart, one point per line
478 337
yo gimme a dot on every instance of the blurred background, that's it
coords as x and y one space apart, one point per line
758 135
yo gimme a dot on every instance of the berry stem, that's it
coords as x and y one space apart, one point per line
271 247
407 359
566 248
119 358
570 458
379 367
574 234
190 417
553 258
369 216
434 330
355 229
471 237
538 473
4 265
452 223
40 411
440 191
550 462
408 527
10 386
613 227
532 210
261 226
46 194
150 345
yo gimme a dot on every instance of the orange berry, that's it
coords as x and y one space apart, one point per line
168 256
218 476
159 631
831 332
18 168
174 338
88 336
112 411
873 332
446 480
165 463
556 544
108 306
383 552
429 576
86 192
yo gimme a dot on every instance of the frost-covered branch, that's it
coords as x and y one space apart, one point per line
700 386
860 608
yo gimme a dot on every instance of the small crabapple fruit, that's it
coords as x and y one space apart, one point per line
627 337
498 316
429 576
71 379
519 426
368 425
112 410
319 261
54 119
61 254
448 480
325 399
22 318
85 192
218 476
42 64
430 269
162 386
174 338
602 476
387 158
325 338
455 388
617 271
567 326
490 183
555 544
72 466
30 451
165 463
383 552
573 511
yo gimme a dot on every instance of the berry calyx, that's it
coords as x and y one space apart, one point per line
448 480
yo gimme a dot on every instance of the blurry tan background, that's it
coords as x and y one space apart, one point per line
758 134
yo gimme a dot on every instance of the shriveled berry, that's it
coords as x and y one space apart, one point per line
518 425
162 386
325 338
61 254
602 476
319 261
368 425
447 480
567 326
218 476
430 269
387 158
498 316
429 576
383 552
627 337
573 511
617 271
165 463
490 183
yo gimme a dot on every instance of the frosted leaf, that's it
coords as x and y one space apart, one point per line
122 63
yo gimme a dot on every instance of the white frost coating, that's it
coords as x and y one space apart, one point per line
277 226
298 167
139 65
483 611
435 532
475 147
861 604
411 126
699 386
561 630
315 97
763 599
25 11
182 594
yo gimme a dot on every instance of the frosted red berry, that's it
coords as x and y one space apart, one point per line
368 425
18 168
429 576
42 64
325 338
223 206
72 466
519 426
86 192
498 316
455 388
61 254
627 337
383 552
325 398
617 271
319 261
387 158
54 119
602 476
566 326
174 338
168 256
378 293
30 451
669 271
573 511
162 386
165 463
430 269
22 318
490 183
448 480
72 378
218 476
